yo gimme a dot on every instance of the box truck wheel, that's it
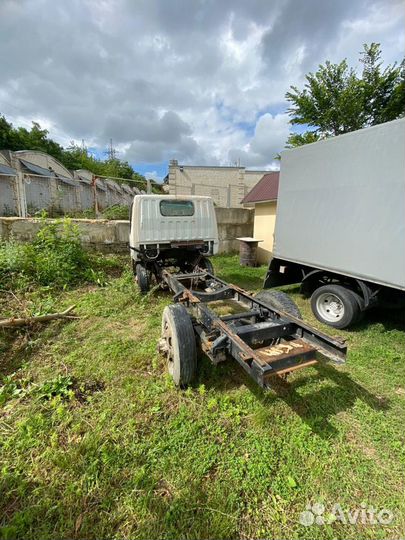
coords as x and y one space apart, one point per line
279 300
335 305
142 278
177 343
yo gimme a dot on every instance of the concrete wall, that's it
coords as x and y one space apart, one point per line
232 224
226 185
264 224
112 236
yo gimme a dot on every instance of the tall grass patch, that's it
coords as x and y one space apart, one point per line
55 258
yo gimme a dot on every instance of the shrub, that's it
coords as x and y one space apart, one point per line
55 258
116 212
59 256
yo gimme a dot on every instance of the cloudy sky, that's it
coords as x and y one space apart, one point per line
202 81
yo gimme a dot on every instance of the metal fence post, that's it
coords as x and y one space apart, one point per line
20 191
94 186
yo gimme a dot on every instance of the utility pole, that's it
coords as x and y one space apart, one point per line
111 152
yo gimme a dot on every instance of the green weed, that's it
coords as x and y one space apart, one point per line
55 258
61 387
116 212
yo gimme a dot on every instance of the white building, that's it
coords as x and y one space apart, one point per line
226 185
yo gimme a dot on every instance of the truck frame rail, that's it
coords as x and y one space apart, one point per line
265 341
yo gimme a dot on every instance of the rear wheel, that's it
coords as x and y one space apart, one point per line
336 306
280 301
142 278
206 264
178 344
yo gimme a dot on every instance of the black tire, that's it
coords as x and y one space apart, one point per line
280 301
336 306
179 344
206 264
142 278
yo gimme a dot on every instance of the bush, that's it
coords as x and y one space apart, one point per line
116 212
55 258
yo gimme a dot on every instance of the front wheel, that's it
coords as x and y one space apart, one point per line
142 278
335 305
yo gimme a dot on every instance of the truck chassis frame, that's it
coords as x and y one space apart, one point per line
266 342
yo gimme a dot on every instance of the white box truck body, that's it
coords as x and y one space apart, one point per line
341 213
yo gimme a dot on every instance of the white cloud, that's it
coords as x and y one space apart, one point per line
153 175
269 138
194 80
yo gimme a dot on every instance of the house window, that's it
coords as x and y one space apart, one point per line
176 208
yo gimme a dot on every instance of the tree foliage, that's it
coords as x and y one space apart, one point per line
23 139
299 139
73 157
337 100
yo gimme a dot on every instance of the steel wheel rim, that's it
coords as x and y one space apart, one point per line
330 307
167 334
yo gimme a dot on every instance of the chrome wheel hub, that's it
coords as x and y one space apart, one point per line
330 307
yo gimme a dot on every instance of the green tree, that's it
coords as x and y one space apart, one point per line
7 135
77 157
37 139
23 139
73 157
118 168
299 139
336 100
384 89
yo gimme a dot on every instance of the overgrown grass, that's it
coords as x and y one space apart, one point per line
97 443
117 211
54 259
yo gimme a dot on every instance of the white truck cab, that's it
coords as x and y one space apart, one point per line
166 230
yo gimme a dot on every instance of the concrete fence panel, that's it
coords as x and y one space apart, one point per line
8 196
86 195
58 195
38 194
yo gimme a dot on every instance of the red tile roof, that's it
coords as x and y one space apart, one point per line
266 189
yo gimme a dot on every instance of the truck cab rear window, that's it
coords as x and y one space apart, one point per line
176 208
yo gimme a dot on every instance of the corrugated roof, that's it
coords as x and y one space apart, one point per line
66 180
126 188
100 185
113 185
266 189
5 169
84 179
36 168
